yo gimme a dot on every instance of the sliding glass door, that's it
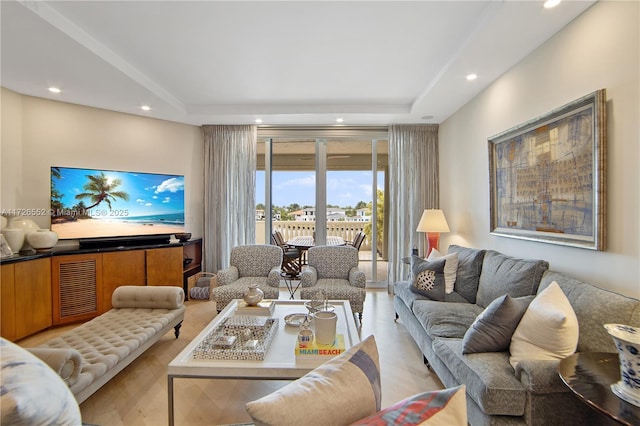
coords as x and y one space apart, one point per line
325 187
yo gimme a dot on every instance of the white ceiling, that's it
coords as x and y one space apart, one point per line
288 63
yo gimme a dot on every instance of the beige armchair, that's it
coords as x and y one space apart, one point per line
249 264
334 271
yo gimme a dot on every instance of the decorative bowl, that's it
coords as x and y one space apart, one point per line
42 239
183 236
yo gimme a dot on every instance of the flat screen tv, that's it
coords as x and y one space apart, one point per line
107 205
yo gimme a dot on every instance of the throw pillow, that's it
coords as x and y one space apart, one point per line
493 328
450 267
446 407
32 393
428 278
548 329
340 391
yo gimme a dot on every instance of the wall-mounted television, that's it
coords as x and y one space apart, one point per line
102 205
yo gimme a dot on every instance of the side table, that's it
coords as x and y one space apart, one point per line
288 281
590 375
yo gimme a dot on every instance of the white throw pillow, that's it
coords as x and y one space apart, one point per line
548 329
450 267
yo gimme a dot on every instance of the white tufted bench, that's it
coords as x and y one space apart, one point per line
108 343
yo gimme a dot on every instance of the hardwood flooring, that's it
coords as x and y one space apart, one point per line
138 394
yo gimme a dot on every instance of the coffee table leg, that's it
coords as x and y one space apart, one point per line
170 388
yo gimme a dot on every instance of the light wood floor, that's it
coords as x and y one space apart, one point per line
138 395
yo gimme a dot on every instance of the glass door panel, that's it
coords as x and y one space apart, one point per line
293 181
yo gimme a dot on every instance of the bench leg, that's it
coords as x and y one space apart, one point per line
177 329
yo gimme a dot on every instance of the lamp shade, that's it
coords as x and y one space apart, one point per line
433 221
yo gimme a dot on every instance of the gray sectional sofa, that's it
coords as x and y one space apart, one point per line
533 393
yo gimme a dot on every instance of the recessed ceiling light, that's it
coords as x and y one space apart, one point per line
258 120
472 77
339 120
551 3
426 117
54 90
145 108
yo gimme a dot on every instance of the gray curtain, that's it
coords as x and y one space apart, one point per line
229 191
413 187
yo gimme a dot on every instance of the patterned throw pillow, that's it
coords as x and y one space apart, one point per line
340 391
428 278
447 407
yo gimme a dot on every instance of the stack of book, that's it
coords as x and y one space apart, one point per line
265 307
317 351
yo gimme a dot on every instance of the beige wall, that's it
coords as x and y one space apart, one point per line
600 49
39 133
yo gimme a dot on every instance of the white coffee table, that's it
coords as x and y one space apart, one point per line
280 362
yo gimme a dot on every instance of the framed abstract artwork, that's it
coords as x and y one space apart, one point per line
547 176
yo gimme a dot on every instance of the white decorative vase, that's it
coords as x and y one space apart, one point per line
27 225
627 340
253 296
14 237
42 239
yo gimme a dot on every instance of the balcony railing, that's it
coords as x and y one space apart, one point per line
290 229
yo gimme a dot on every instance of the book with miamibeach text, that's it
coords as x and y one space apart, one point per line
317 351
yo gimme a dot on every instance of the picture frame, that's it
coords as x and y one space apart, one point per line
5 250
547 176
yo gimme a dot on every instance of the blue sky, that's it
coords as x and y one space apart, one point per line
344 188
149 194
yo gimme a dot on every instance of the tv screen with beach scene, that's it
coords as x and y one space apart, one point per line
90 204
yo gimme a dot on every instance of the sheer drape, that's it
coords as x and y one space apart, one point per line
229 191
413 176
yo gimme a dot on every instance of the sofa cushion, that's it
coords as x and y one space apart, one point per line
502 274
489 377
469 268
402 291
493 328
428 278
109 338
32 393
548 330
150 297
450 267
595 307
445 319
443 407
340 391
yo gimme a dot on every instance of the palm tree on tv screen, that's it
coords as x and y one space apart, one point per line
100 188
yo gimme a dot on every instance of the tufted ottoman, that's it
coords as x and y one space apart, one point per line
110 342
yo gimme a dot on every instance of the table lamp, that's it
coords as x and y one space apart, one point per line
433 223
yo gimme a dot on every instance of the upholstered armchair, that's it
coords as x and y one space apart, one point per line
250 264
334 271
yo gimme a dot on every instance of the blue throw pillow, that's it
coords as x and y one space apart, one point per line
428 278
493 328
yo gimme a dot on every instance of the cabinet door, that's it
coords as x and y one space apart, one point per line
33 296
164 266
76 282
7 302
121 268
